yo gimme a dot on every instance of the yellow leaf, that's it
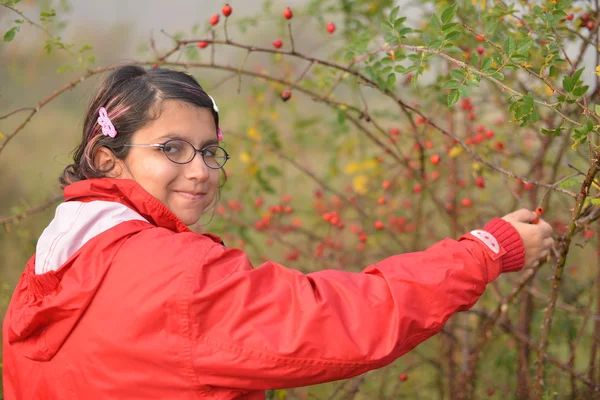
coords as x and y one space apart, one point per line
476 166
1 135
351 168
455 151
253 134
245 157
359 184
598 70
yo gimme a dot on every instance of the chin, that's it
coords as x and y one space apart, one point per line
190 218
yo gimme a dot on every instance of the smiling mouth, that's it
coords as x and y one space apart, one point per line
192 196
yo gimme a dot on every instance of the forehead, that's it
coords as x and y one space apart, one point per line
179 118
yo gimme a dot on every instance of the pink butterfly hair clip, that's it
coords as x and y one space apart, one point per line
219 134
108 129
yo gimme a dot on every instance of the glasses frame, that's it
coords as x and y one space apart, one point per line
196 151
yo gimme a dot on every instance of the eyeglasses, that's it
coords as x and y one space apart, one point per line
181 152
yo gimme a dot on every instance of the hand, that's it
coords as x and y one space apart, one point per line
537 239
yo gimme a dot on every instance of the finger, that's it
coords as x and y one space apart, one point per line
548 243
546 228
524 215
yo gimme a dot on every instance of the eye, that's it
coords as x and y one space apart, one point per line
172 147
210 151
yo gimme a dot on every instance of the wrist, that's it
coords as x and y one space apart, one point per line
510 240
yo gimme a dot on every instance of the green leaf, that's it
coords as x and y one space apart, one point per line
567 84
394 13
486 63
273 171
391 81
577 75
509 46
498 75
523 45
563 4
449 27
452 36
453 97
435 22
597 109
10 34
449 13
457 73
452 85
580 91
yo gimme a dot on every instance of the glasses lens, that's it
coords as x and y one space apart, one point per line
214 156
178 151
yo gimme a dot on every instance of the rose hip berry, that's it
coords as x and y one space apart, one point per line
331 27
214 19
403 377
480 50
466 202
286 94
287 13
277 43
202 45
226 10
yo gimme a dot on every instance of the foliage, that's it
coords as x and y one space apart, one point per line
415 124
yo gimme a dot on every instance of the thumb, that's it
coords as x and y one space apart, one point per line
524 215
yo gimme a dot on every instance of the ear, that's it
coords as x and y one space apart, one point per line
105 160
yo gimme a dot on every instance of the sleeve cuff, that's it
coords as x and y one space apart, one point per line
510 240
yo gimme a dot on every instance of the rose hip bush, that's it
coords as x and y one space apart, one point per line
361 129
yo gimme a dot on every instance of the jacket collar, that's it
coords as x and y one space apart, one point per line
131 194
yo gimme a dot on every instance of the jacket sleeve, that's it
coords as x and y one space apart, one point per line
274 327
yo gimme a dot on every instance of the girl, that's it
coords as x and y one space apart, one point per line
123 301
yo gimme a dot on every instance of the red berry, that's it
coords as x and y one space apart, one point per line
466 202
585 17
417 188
287 13
588 234
202 45
286 94
570 17
403 377
491 392
386 185
214 19
277 43
435 159
479 38
480 50
378 225
394 131
154 65
480 182
590 25
226 10
331 27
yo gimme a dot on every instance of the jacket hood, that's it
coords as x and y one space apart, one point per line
59 282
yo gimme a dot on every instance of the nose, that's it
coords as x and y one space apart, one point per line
197 169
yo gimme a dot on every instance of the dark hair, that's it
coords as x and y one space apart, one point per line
131 96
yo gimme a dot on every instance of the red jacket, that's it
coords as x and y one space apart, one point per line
128 303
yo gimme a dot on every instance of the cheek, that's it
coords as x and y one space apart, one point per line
154 175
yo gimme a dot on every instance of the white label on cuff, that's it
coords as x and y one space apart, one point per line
488 239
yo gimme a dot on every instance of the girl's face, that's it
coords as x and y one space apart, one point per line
186 189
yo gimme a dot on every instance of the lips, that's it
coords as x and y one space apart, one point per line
192 195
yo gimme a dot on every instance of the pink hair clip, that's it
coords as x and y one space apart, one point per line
219 134
108 129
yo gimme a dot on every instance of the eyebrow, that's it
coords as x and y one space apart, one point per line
174 135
